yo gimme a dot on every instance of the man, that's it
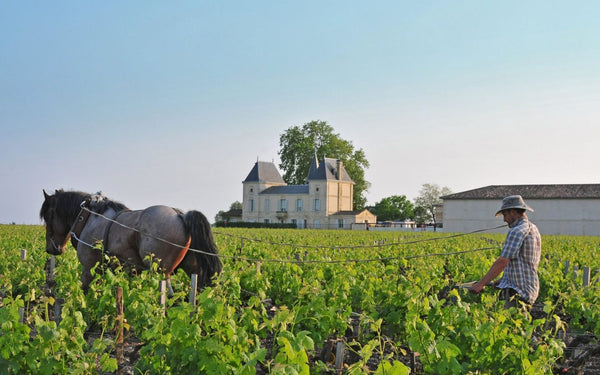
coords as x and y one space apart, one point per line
519 257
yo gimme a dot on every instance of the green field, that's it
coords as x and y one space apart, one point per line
288 299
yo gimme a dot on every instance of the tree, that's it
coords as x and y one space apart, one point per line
395 208
226 215
428 199
298 146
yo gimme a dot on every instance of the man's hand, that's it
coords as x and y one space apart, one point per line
494 271
476 288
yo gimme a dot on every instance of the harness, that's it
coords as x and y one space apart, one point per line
79 224
81 221
105 250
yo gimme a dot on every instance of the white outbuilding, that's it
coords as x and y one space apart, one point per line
558 209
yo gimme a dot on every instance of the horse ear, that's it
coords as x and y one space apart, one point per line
46 196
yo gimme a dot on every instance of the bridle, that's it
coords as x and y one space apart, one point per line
79 223
54 245
76 228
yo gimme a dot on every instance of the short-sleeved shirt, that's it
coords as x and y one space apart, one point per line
523 246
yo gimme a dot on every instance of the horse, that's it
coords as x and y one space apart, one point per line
176 239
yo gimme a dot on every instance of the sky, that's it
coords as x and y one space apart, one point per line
156 102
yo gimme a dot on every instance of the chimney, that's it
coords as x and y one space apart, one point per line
339 169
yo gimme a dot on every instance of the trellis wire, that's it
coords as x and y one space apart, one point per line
309 246
350 247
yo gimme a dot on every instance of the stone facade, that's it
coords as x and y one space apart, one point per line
324 202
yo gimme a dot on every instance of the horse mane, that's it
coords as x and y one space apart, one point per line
102 204
67 204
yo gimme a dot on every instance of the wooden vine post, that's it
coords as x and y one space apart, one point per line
50 276
120 321
163 296
586 276
58 310
339 357
193 289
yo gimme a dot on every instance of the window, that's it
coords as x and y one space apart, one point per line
299 205
341 223
316 224
251 205
317 204
267 205
283 205
267 221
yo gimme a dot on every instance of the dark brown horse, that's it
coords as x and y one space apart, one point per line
97 226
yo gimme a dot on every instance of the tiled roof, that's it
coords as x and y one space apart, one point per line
264 172
286 189
573 191
352 212
235 212
327 170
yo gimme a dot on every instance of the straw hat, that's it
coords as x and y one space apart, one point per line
514 201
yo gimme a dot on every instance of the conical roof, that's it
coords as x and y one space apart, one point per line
264 172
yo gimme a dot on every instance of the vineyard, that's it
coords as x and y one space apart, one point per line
300 302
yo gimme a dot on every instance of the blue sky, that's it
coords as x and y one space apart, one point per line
157 102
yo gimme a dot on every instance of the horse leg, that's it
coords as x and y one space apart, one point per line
86 279
88 259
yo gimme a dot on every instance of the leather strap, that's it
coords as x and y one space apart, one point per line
82 219
107 232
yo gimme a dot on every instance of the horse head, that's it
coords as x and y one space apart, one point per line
58 225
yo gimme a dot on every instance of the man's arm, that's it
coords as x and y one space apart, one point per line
495 270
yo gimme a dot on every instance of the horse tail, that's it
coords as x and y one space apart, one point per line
199 230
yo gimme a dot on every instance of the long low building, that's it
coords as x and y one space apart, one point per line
558 209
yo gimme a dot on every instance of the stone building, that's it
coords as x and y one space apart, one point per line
324 201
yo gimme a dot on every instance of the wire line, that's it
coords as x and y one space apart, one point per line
309 246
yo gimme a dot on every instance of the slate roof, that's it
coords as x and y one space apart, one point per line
236 212
286 189
327 170
355 213
573 191
265 172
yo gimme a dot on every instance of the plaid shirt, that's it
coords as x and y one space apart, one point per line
523 246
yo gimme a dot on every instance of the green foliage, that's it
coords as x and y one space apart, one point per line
429 196
299 145
376 346
247 224
276 315
394 208
291 356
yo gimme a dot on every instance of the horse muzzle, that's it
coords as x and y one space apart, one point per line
54 249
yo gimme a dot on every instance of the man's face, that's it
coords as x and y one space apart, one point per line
510 216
